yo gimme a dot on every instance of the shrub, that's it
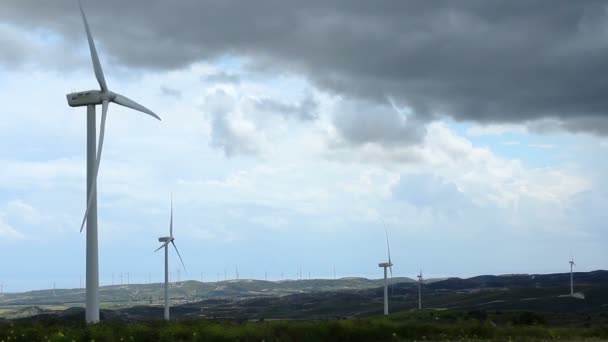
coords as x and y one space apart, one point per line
528 318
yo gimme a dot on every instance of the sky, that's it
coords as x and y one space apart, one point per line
477 131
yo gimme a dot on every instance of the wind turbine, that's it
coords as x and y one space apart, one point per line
386 265
572 264
91 98
166 241
420 290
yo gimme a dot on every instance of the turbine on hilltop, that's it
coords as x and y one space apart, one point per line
386 265
90 99
166 240
420 280
572 264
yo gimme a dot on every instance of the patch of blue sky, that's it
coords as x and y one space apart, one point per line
534 150
41 147
47 37
230 63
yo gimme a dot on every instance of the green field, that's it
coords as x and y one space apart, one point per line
433 325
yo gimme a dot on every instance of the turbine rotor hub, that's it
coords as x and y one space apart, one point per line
108 95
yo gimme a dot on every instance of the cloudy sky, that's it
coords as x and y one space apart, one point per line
477 130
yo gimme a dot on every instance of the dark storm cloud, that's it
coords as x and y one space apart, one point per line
479 60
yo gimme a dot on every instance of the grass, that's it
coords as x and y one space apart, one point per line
405 326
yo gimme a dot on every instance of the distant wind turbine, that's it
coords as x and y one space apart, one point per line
91 98
386 265
420 290
166 241
572 264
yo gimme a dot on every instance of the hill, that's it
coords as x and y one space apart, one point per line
321 299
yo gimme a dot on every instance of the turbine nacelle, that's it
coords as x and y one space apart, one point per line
165 239
89 97
385 264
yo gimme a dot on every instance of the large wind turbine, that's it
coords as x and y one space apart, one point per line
166 240
91 98
386 265
572 264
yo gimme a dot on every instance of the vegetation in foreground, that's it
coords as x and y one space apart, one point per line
405 326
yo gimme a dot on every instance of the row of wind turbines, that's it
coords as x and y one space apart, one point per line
389 265
103 97
90 99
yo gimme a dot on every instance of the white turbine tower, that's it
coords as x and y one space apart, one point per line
420 290
90 99
386 265
572 264
166 241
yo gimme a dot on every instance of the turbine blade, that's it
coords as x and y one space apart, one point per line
127 102
104 111
171 221
95 58
179 255
388 247
161 246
